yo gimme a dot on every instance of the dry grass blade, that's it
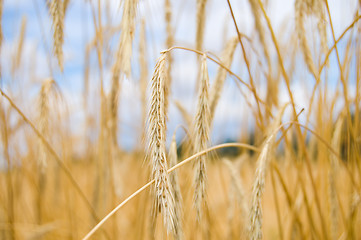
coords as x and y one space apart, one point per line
164 201
201 138
57 14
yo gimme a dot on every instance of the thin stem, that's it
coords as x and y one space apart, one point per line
343 81
298 129
56 157
278 213
290 201
241 145
9 175
337 41
247 64
218 63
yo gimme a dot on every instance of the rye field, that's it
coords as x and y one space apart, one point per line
194 119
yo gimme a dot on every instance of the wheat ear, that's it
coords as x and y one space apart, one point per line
255 229
122 60
257 192
201 136
300 10
44 107
19 50
164 201
57 14
216 89
260 30
321 24
65 6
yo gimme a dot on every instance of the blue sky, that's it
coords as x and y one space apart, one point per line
232 112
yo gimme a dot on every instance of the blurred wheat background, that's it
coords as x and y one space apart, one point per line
194 119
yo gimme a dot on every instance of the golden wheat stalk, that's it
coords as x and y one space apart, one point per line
237 185
65 6
332 176
10 190
57 14
258 189
173 160
255 229
236 192
124 52
321 24
217 87
122 61
201 21
259 27
169 44
300 11
47 91
164 201
143 75
43 121
19 50
201 138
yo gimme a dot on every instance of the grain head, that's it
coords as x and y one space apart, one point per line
201 138
300 12
122 62
217 86
57 15
164 201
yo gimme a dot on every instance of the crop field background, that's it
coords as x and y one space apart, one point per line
192 119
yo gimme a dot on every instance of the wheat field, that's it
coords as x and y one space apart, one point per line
193 119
